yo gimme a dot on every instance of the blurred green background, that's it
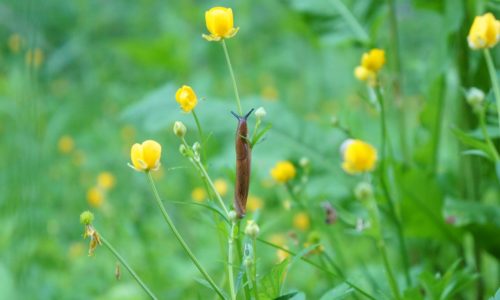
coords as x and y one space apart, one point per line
81 81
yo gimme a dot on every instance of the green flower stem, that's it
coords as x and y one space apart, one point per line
253 276
482 123
310 262
230 260
200 132
494 80
239 248
211 184
294 196
398 78
385 187
233 78
197 163
129 269
375 216
180 239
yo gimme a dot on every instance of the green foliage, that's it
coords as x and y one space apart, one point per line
107 78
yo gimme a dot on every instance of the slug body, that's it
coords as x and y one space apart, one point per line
243 160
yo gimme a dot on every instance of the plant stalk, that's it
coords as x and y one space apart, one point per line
494 80
233 78
385 187
126 265
180 239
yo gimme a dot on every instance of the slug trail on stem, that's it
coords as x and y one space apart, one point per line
243 159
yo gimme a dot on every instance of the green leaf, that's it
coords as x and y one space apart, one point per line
270 284
339 292
496 296
287 296
482 220
470 141
444 287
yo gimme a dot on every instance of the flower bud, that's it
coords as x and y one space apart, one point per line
179 129
252 229
363 191
474 97
183 150
260 113
304 162
86 217
233 216
334 121
196 147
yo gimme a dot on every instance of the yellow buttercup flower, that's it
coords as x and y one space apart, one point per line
76 250
186 98
301 221
15 42
105 180
219 21
358 156
254 203
373 60
364 74
34 57
95 197
66 144
146 156
280 240
371 63
283 171
484 32
199 194
221 186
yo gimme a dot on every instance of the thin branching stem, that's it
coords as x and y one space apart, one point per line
230 261
180 239
126 265
385 187
310 262
200 132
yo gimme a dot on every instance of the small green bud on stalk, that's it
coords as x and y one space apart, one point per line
180 129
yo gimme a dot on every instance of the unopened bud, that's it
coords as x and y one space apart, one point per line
334 121
260 113
179 129
474 97
304 162
86 217
363 191
252 229
233 216
196 147
183 150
